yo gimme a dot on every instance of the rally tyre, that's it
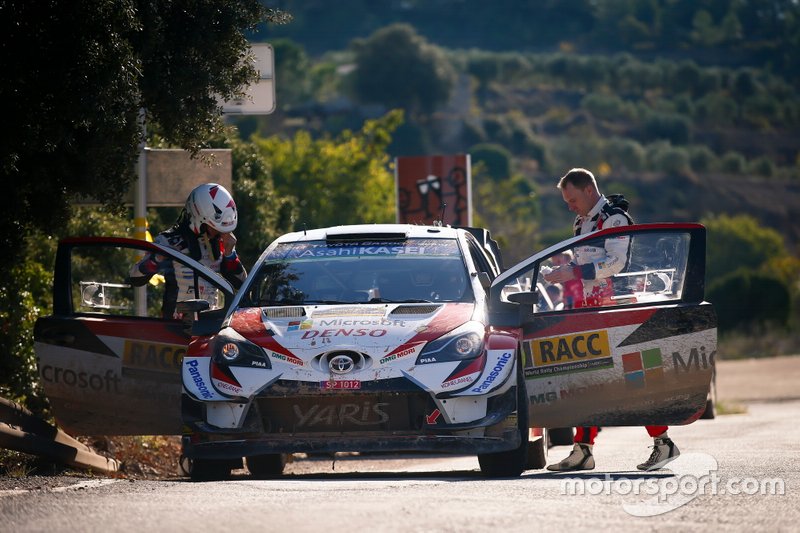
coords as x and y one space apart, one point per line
710 411
560 436
209 469
537 453
268 466
513 462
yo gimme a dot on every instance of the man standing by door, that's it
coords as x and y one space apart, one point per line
594 266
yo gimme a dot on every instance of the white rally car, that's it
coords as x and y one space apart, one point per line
379 338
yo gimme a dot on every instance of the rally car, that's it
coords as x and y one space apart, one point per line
378 338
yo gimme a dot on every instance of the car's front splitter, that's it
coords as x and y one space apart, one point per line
231 449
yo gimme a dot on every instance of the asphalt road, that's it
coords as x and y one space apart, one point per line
748 453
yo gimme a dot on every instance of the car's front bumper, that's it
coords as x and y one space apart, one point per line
385 423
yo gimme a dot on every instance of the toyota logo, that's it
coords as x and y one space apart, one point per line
341 364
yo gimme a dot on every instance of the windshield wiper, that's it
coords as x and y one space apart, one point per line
324 302
407 301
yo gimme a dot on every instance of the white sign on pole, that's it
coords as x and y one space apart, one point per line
259 97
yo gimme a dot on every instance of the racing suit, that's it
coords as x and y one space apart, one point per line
180 279
594 266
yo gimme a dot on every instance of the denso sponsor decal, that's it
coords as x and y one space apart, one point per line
153 356
498 368
199 383
287 358
343 332
570 353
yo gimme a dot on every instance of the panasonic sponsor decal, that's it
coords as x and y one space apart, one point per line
498 368
201 386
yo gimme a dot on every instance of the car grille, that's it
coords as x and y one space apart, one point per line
284 312
382 412
415 309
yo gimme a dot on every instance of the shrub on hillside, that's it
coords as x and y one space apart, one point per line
733 163
745 298
496 159
701 158
672 127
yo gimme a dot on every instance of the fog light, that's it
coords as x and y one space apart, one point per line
230 351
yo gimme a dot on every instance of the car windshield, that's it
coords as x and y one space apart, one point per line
324 272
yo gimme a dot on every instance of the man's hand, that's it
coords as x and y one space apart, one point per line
228 242
560 274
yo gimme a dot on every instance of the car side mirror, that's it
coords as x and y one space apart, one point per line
530 298
208 323
192 306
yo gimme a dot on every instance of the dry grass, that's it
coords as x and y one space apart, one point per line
766 342
139 457
727 407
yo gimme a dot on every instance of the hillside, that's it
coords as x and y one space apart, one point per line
660 198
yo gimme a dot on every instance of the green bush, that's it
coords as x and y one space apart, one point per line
701 158
761 166
739 242
626 154
664 157
496 159
667 126
733 163
748 299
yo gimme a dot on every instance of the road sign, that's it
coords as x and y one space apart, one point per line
259 97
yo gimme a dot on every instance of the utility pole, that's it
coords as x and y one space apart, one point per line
140 209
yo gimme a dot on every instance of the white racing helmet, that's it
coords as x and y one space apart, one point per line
213 205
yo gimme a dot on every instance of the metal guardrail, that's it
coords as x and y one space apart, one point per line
23 431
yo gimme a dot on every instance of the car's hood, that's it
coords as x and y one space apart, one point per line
378 330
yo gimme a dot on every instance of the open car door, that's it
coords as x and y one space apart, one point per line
106 369
643 354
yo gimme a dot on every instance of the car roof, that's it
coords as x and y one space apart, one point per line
356 232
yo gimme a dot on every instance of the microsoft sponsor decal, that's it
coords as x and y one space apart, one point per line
642 367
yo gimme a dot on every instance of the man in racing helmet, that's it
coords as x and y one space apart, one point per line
204 232
594 266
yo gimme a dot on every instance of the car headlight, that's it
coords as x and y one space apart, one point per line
464 342
230 348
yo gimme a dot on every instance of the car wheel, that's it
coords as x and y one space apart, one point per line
266 466
710 411
209 469
560 436
512 462
537 453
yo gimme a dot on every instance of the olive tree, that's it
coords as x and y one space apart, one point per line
398 68
76 76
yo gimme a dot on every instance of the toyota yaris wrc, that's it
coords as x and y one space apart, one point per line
380 338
